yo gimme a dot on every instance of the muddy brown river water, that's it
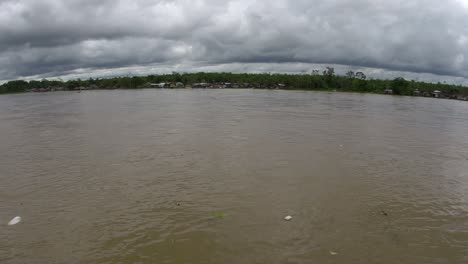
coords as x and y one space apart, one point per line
207 176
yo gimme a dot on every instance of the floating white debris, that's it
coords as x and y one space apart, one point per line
14 221
333 253
288 218
341 146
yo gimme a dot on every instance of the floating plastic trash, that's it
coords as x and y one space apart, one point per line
333 253
288 218
14 221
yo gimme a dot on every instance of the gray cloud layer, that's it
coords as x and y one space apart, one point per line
64 37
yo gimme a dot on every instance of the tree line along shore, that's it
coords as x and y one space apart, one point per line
320 81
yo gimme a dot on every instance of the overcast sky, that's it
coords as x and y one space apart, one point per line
417 39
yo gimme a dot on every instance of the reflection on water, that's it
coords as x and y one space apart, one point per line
139 177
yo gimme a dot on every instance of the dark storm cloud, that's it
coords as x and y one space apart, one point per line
53 38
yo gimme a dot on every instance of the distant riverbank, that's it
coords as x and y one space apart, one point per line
326 81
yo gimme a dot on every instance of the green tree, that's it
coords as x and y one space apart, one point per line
399 86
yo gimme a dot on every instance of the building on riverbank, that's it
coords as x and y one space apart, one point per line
160 85
388 91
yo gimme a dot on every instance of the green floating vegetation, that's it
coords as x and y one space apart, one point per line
219 215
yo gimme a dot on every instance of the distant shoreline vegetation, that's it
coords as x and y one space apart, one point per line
320 81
